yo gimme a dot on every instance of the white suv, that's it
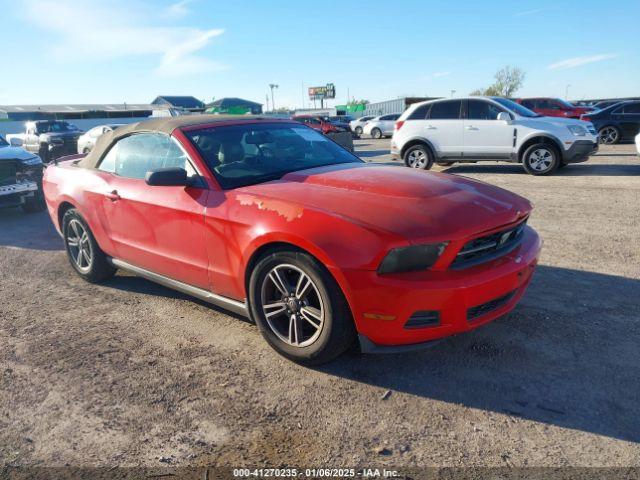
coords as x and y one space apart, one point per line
381 126
489 128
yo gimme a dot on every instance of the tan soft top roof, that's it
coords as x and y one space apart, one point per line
163 125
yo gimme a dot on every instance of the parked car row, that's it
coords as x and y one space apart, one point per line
50 139
617 122
475 129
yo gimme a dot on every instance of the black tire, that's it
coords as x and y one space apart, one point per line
43 152
337 331
376 133
445 164
86 150
358 131
36 203
418 157
609 135
541 159
97 268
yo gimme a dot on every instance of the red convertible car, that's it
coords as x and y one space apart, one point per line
271 219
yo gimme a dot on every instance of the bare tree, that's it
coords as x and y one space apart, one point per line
507 82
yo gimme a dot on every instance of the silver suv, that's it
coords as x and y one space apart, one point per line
477 129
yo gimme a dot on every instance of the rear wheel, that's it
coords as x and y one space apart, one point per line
609 135
541 159
376 133
418 156
83 252
299 308
358 131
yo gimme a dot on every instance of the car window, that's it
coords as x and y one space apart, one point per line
135 155
481 110
420 113
240 155
632 108
447 110
529 104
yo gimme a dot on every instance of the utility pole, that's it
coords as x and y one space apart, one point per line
273 103
453 92
566 92
267 99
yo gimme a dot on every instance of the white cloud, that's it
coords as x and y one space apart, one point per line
579 61
178 9
88 31
441 74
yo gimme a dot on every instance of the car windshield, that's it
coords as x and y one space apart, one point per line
565 103
3 142
515 107
241 155
47 127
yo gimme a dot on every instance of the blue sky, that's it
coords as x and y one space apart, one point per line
84 51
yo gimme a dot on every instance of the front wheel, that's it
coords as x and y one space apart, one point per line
609 135
418 157
83 252
376 133
358 131
541 159
36 203
299 308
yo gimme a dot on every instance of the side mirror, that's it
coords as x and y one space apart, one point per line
504 116
16 142
167 177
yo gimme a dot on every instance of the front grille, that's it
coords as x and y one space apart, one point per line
422 319
7 172
479 310
487 248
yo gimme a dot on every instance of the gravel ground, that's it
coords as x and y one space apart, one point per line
131 374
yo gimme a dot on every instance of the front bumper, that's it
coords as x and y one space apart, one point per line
580 151
463 299
16 194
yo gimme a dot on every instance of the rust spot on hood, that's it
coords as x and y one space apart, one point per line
285 209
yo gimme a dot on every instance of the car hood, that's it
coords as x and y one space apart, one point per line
14 153
63 134
538 122
418 206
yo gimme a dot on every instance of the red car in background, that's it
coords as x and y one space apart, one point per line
553 107
271 219
317 123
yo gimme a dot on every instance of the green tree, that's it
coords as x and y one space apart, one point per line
353 101
507 82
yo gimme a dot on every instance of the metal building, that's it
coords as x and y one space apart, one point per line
397 105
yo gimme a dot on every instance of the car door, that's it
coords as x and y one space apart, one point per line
629 119
443 128
387 123
32 139
158 228
484 135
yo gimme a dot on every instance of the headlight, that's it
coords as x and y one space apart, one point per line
32 161
411 259
577 130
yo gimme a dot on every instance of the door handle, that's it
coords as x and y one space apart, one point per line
431 127
113 196
471 127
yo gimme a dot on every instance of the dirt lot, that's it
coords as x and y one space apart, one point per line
132 374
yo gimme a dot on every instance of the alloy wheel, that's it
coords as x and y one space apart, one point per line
608 135
417 159
541 159
292 305
79 246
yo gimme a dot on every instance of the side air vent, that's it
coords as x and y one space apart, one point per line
423 319
480 310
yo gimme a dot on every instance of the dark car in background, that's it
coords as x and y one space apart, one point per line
553 107
616 123
50 139
20 178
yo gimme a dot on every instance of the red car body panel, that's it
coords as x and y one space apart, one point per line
560 108
321 125
347 216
